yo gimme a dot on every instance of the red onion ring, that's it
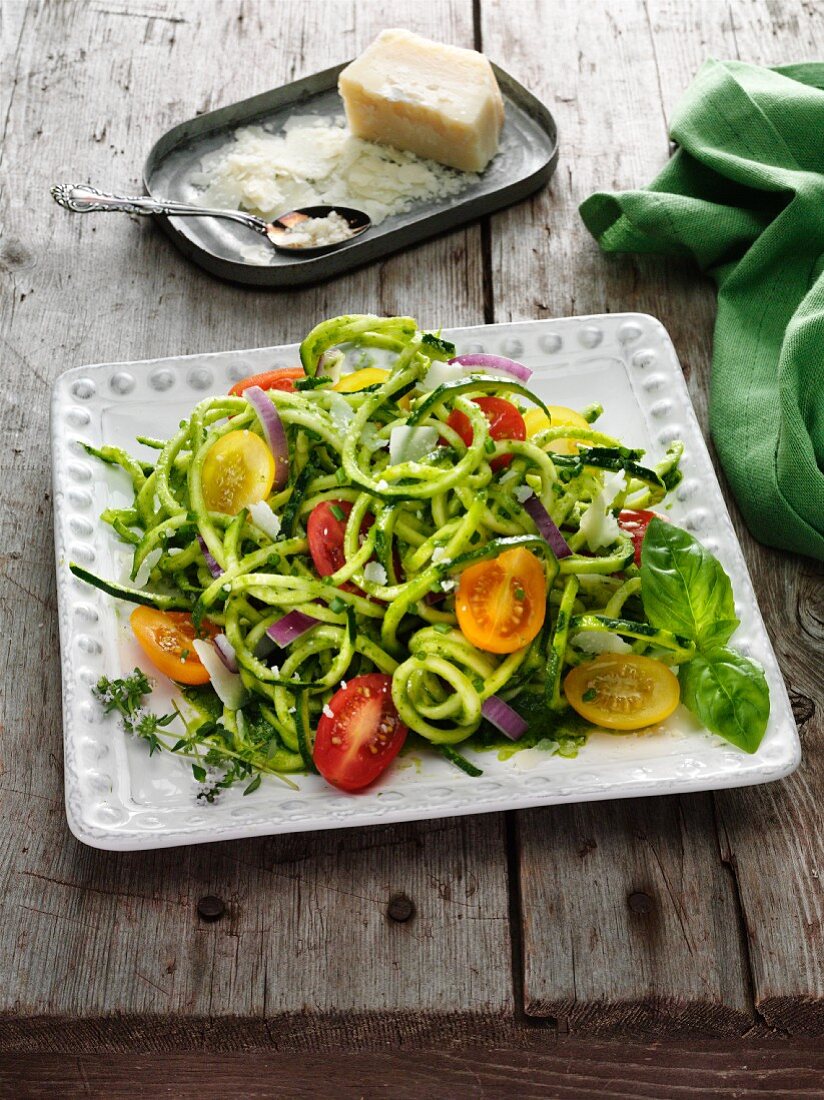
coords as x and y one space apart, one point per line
291 626
495 362
226 652
273 431
504 718
211 563
547 527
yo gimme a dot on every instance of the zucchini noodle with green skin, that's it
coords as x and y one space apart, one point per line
415 525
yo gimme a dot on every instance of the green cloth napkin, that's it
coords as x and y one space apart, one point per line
744 195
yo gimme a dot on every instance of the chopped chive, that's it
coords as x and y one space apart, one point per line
312 383
520 594
443 628
337 512
589 695
337 605
340 476
489 446
459 761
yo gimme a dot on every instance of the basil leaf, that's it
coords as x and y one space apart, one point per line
684 587
729 694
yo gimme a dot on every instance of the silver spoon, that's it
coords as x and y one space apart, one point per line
84 199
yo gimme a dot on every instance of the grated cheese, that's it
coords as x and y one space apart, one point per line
315 160
317 232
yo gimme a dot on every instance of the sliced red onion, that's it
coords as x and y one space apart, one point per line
211 564
273 431
290 627
504 718
495 362
547 527
432 598
226 652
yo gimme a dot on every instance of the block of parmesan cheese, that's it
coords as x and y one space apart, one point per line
437 101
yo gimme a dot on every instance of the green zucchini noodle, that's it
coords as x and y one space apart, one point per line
416 523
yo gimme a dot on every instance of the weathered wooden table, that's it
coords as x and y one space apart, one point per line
618 948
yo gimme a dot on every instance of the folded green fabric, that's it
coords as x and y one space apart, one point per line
744 195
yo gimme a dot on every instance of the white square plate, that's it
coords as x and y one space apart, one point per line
117 798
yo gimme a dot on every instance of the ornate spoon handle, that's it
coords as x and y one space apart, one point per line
84 199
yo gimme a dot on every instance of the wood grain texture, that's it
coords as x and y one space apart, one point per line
562 1069
609 60
108 949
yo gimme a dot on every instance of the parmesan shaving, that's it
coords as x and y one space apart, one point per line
315 160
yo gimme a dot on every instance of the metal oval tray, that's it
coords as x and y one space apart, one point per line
525 161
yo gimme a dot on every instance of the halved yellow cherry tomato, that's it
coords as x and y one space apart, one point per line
167 637
239 470
360 379
501 603
536 420
622 691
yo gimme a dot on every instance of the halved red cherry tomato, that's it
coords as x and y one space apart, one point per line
166 638
282 379
359 734
505 422
325 531
634 522
501 604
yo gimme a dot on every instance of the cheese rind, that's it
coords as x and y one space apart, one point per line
437 101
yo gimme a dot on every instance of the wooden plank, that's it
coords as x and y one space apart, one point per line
629 916
107 950
770 837
560 1069
12 18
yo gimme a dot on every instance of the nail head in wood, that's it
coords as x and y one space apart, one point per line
211 908
400 908
639 902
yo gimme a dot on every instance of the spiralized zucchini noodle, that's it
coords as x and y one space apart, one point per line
390 607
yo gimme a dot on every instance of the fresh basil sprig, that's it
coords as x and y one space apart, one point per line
684 588
729 694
